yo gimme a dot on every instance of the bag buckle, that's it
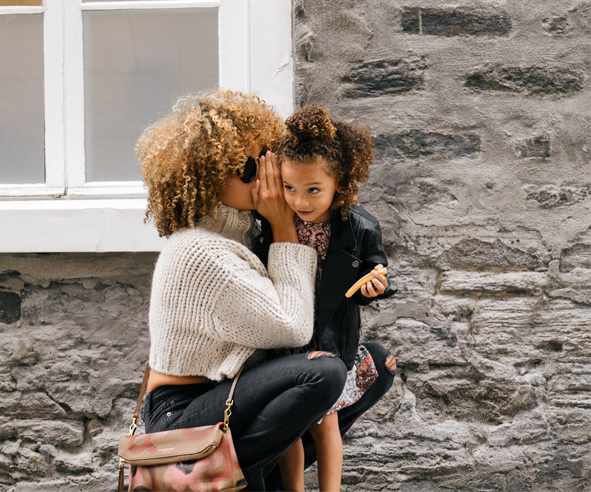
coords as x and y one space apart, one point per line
227 414
133 426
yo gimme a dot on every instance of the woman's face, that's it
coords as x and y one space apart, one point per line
237 194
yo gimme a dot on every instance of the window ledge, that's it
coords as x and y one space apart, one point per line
83 225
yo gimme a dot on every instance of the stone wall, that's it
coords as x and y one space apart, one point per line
73 348
482 183
481 117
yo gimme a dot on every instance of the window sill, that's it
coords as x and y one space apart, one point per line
82 225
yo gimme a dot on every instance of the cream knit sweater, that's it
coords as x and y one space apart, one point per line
213 301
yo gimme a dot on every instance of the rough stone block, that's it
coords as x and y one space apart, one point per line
465 394
576 19
572 284
418 143
525 428
576 256
527 81
455 22
557 25
11 280
59 433
561 465
458 308
537 147
570 425
550 196
10 307
384 77
415 343
29 406
415 194
474 253
520 333
523 283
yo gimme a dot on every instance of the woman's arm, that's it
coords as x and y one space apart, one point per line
268 312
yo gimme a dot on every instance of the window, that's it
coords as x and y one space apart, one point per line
79 82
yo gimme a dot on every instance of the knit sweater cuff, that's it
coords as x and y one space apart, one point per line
287 258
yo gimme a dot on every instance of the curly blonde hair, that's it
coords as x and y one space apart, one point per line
346 148
186 157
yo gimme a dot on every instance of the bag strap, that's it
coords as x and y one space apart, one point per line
230 401
138 405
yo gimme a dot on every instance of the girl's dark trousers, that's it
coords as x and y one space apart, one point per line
275 403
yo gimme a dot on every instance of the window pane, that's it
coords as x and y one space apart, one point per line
11 3
86 1
136 64
22 125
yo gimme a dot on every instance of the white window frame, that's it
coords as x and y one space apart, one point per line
67 214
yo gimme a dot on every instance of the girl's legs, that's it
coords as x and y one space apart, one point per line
292 468
274 404
329 447
385 365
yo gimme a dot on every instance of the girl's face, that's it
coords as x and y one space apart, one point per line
309 189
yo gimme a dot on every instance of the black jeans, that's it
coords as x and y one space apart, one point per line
386 367
274 404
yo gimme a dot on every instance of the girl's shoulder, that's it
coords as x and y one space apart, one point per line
359 216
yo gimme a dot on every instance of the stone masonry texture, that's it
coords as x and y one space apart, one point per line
480 113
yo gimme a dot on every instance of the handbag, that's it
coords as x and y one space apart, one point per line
196 459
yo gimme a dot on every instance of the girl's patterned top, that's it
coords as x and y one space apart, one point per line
315 235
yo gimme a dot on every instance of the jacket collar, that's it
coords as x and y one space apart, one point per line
341 232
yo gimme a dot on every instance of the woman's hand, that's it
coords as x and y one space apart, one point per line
376 286
267 195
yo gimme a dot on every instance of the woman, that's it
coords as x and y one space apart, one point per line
213 302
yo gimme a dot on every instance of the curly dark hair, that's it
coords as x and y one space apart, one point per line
346 148
186 157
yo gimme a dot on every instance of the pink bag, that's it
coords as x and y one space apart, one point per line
198 459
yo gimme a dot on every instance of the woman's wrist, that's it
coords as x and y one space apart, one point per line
284 233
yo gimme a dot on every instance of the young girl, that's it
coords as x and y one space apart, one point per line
322 160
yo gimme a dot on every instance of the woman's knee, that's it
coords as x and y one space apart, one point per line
330 370
385 362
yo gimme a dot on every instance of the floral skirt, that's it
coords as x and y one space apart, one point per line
359 380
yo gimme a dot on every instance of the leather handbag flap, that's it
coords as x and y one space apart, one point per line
170 446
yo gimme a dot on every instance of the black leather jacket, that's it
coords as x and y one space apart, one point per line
354 249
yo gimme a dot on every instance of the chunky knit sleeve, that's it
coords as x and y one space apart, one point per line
213 303
260 311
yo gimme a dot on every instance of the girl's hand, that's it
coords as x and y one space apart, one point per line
267 195
376 286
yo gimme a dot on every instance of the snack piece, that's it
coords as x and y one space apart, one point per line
363 280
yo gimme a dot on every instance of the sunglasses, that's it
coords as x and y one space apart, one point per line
250 168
